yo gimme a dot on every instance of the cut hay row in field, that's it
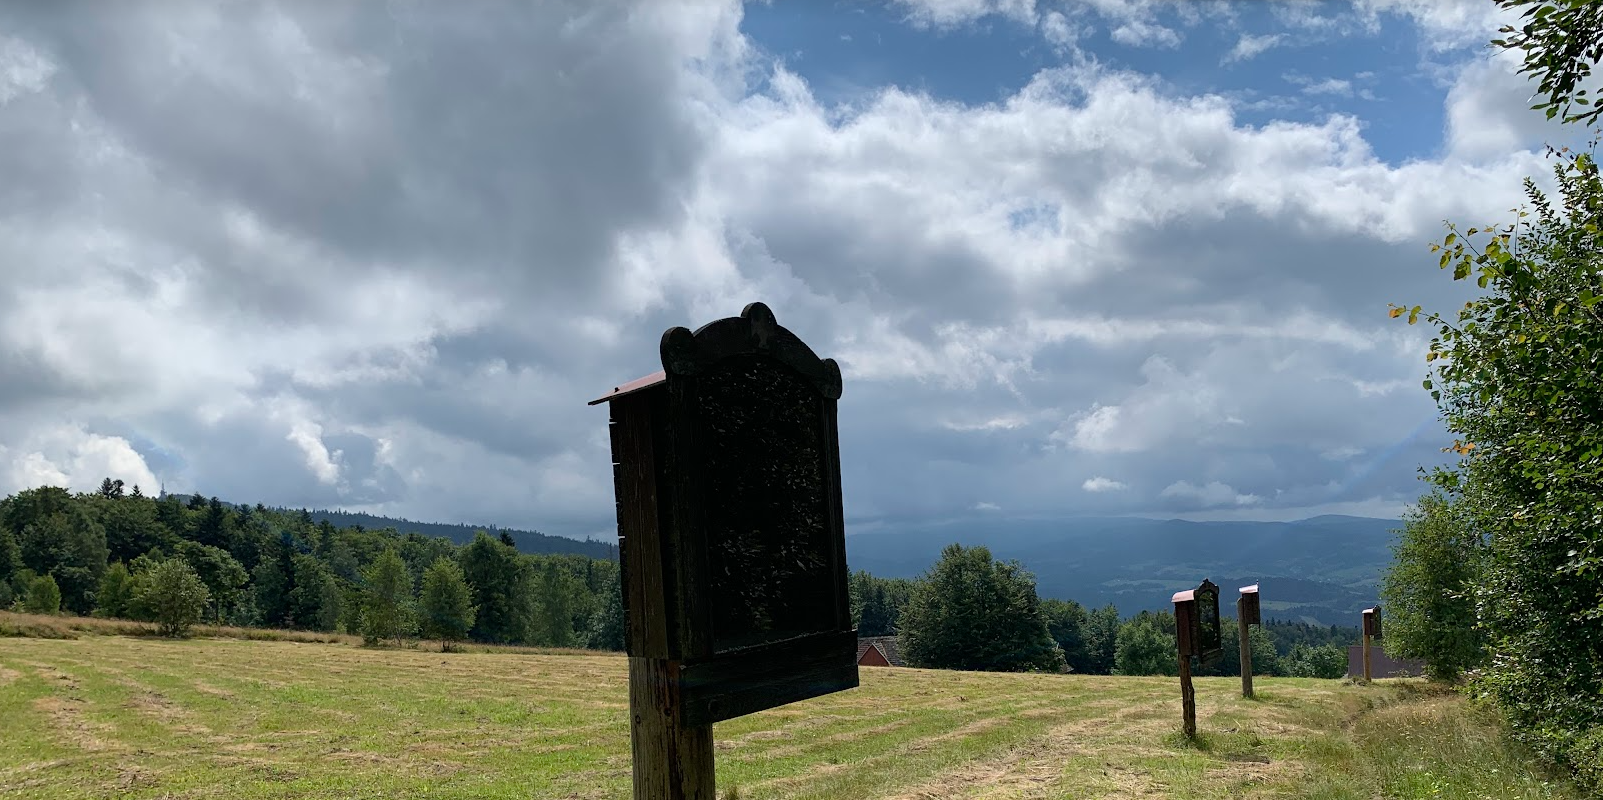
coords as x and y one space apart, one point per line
117 716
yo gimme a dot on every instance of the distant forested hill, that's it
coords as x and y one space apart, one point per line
525 541
1321 571
532 542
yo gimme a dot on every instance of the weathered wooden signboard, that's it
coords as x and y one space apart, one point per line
1247 605
731 539
1371 631
1247 613
1372 622
1196 616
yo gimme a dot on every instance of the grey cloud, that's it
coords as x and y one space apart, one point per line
422 240
512 143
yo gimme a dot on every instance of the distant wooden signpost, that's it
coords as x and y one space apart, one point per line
726 467
1371 631
1247 614
1196 616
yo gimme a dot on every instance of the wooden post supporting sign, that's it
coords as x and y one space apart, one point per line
1196 615
1247 614
1371 630
731 541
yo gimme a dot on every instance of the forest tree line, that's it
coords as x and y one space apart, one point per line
88 553
122 554
971 611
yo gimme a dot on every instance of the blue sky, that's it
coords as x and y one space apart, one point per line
1382 73
1075 258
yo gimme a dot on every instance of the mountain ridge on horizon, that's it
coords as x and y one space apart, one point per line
526 541
1322 570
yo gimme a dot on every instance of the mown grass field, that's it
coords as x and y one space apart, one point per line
139 717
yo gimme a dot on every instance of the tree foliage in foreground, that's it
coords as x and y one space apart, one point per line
1519 380
1560 42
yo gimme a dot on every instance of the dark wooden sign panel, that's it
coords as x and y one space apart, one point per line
769 546
731 536
1247 607
1372 622
1196 615
1210 642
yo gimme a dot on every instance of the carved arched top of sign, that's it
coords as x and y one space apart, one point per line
754 332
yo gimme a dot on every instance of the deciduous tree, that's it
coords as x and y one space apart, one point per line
445 605
1517 378
44 596
116 595
173 595
1429 590
1143 648
387 607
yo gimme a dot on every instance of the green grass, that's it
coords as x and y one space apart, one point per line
139 717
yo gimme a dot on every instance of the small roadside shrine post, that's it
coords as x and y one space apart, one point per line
1371 631
1196 616
1247 614
731 542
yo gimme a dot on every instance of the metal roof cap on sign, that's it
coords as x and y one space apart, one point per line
1369 611
631 387
1186 596
1253 589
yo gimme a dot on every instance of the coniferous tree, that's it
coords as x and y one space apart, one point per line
273 581
170 512
501 590
873 608
131 527
1102 635
214 528
10 564
445 604
606 628
1067 621
971 612
315 601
